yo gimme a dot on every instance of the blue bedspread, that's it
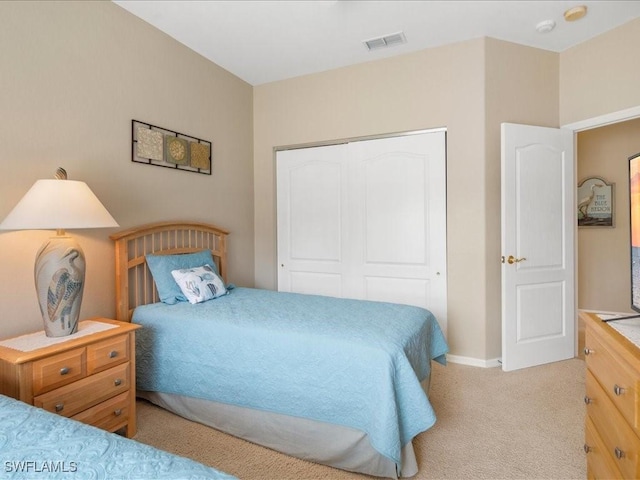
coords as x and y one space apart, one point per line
348 362
37 444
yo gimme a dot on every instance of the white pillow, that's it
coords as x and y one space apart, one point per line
199 284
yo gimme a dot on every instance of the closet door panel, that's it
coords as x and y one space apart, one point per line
409 291
394 209
311 220
316 283
314 209
398 203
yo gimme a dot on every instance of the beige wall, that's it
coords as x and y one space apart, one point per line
603 253
72 77
601 76
522 87
443 87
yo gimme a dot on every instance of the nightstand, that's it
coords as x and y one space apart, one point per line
88 376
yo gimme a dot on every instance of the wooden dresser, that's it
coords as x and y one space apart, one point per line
88 377
612 422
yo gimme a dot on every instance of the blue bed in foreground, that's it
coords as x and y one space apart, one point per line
37 444
336 381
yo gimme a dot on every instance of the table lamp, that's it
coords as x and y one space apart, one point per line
60 266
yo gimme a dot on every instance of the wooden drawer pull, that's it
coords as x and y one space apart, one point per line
117 412
618 390
117 382
587 448
619 453
64 370
59 407
113 354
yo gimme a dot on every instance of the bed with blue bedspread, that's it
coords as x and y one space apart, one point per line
36 444
337 381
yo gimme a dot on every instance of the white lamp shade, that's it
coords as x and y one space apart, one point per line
58 204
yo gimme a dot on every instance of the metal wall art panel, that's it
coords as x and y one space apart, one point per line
153 145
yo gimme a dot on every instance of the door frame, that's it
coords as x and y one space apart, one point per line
581 126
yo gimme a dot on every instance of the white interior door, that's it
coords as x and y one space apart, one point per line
538 215
366 220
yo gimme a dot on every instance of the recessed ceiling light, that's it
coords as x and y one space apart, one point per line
545 26
575 13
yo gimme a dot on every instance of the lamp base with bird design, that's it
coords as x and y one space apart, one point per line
59 277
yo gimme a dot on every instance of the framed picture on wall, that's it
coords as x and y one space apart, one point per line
595 203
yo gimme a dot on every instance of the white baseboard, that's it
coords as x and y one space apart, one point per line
474 362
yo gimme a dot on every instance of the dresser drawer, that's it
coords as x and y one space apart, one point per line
109 415
107 353
600 465
616 378
618 438
58 370
72 399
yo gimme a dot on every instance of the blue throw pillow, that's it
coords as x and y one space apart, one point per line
161 267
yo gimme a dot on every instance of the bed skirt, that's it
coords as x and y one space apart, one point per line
333 445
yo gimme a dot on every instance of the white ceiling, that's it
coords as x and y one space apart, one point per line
264 41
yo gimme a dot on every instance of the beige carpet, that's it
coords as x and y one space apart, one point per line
526 424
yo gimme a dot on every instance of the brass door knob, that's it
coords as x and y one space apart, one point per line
511 260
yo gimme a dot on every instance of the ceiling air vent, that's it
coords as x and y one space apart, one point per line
386 41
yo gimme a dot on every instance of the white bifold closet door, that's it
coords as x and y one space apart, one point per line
366 220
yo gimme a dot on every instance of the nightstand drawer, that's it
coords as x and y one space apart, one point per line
72 399
109 415
58 370
107 353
